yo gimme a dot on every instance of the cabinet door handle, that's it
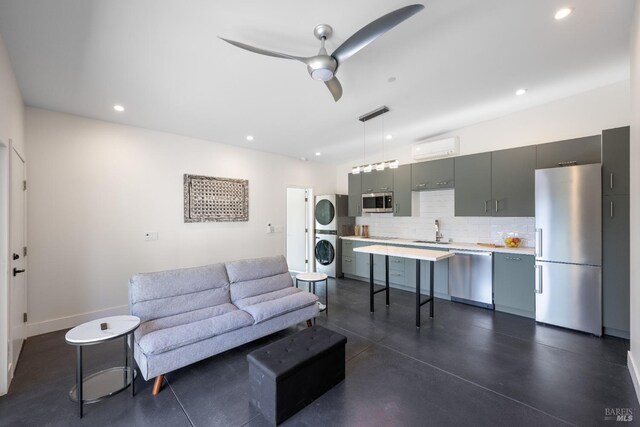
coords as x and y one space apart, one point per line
611 209
496 205
369 189
538 288
485 206
513 258
568 163
421 185
385 188
396 208
611 180
442 183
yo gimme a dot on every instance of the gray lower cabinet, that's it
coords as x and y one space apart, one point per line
615 265
402 191
513 284
473 185
513 182
615 161
348 258
432 175
577 151
355 194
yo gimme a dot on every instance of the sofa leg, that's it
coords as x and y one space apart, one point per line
157 385
309 324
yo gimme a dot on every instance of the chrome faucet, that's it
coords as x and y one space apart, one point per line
438 233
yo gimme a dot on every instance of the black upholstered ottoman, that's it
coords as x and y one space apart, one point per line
287 375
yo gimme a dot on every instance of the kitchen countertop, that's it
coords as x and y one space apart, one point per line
452 245
412 253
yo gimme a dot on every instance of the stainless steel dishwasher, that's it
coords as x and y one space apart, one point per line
471 278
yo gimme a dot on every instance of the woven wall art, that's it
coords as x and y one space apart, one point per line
212 199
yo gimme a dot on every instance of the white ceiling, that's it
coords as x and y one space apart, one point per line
457 62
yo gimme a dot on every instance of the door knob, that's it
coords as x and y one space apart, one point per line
16 271
16 256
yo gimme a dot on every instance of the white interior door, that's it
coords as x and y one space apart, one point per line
17 266
297 229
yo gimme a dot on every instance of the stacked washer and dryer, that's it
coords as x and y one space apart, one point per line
332 221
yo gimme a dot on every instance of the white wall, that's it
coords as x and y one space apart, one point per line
634 354
96 187
11 127
580 115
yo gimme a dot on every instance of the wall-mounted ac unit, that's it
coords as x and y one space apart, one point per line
435 149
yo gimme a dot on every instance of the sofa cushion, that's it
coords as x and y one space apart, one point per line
182 319
273 304
166 293
166 339
250 288
258 268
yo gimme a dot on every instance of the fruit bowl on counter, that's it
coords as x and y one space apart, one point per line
512 239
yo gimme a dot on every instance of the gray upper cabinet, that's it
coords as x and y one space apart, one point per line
513 284
578 151
473 185
355 194
377 181
615 265
402 191
513 182
432 175
615 161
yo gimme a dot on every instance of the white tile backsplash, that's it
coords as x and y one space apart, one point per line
440 205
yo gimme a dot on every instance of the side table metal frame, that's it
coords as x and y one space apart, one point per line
313 289
129 366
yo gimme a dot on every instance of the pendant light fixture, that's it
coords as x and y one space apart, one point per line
365 168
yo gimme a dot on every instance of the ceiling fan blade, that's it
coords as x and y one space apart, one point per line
262 51
335 88
373 30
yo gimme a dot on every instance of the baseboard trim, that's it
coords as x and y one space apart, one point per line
634 374
52 325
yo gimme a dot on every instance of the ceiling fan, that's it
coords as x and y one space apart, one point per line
324 66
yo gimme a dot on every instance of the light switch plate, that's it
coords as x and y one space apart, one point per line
150 236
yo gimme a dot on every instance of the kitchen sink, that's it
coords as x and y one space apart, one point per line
431 241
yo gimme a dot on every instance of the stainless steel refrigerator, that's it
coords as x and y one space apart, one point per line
569 247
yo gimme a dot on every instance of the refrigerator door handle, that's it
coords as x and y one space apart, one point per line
611 209
611 180
538 286
538 232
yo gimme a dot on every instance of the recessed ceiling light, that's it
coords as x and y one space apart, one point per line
318 153
389 136
563 13
521 92
249 137
118 108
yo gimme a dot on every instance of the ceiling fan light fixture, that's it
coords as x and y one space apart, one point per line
322 74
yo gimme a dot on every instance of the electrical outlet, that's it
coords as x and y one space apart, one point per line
150 236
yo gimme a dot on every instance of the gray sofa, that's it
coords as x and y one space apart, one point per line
190 314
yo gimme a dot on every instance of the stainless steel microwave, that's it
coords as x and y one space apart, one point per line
377 202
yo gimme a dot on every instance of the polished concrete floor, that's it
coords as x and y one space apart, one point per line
468 366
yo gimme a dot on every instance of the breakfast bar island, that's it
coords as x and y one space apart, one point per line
429 255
